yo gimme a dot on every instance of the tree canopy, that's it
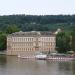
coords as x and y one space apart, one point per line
73 39
2 41
11 29
63 42
41 22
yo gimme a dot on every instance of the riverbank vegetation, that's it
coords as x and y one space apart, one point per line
65 40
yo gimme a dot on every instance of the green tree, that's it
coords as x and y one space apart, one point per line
2 41
73 39
11 29
62 42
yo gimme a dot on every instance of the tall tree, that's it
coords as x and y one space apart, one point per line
73 39
2 41
62 42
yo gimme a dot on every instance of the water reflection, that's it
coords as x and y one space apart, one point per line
2 59
10 65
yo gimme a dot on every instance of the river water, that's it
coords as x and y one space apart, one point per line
10 65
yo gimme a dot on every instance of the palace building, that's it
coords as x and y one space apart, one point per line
29 43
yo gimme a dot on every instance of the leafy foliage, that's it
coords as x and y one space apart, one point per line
2 41
73 39
41 23
63 42
11 29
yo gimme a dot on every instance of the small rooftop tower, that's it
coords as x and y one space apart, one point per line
58 30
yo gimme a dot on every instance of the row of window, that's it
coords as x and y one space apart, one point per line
22 39
32 49
33 44
33 39
22 49
47 39
48 44
48 49
22 44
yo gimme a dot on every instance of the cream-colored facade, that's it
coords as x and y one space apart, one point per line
29 43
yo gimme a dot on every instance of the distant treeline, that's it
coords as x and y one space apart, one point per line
41 23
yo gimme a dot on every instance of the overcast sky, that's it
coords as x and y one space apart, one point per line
37 7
